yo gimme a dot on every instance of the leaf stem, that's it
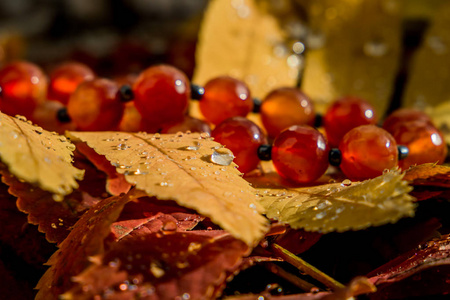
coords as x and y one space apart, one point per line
295 280
306 267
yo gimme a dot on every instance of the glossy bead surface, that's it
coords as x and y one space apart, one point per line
94 105
65 78
23 86
242 137
425 143
344 115
402 115
367 151
225 97
187 124
285 107
161 94
300 154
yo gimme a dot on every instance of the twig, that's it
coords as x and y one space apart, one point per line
295 280
306 267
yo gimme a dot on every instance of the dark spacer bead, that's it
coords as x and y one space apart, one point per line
265 152
62 115
318 120
403 152
125 93
334 157
197 92
256 105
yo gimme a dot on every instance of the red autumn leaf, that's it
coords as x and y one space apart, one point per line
424 271
297 241
84 242
54 218
160 266
146 215
115 183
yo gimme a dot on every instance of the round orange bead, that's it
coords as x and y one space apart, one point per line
344 115
425 143
65 78
403 115
285 107
300 154
243 138
161 94
187 124
367 151
94 105
225 97
23 86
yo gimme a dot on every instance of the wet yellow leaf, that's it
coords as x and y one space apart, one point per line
191 169
428 78
341 206
353 48
38 156
440 115
241 39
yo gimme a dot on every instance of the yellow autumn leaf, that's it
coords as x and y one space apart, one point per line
341 206
241 39
191 169
428 78
353 48
37 156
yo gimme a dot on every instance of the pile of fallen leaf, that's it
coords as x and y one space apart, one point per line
150 216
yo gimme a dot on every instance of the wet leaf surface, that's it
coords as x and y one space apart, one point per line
181 167
54 218
37 156
429 174
341 206
419 272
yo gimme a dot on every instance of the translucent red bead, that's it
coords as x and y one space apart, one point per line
403 115
65 78
23 86
344 115
225 97
300 154
425 143
366 152
161 94
187 124
284 107
94 105
243 138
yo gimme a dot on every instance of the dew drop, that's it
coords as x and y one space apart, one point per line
179 134
182 264
314 290
156 136
204 135
346 182
321 215
227 194
53 225
195 146
193 168
169 227
21 118
223 157
163 183
70 147
156 270
121 147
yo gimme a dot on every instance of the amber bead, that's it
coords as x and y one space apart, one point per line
367 151
45 115
225 97
425 143
161 94
187 124
345 114
243 138
300 154
285 107
403 115
65 78
131 119
23 86
94 105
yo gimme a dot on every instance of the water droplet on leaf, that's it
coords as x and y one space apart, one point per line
223 157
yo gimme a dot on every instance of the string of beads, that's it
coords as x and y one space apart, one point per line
299 152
